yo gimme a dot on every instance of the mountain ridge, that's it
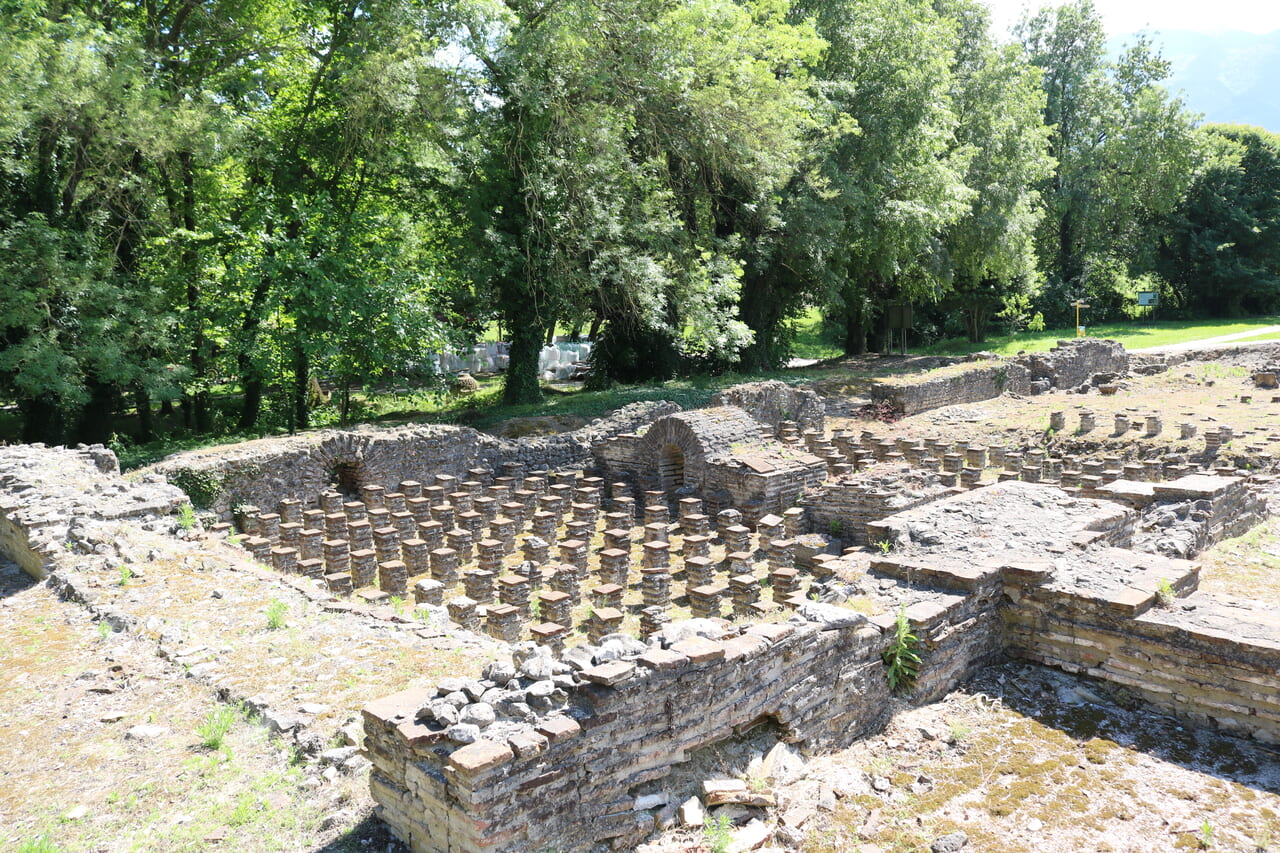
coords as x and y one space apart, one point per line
1229 77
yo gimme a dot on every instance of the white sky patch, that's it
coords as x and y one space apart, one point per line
1121 17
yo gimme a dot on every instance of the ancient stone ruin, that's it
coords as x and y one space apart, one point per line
665 580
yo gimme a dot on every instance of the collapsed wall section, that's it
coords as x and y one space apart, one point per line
1073 363
774 403
568 780
48 495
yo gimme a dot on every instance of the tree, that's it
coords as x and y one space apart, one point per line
625 143
999 106
1222 252
886 177
1124 150
75 213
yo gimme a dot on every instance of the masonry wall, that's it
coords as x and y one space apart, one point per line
1073 363
971 386
264 472
845 509
1217 664
568 782
775 402
49 494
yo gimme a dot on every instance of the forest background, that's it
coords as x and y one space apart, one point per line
213 200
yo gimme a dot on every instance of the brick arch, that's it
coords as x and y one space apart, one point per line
696 437
347 460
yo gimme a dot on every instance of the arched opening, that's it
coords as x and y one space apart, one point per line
347 477
671 468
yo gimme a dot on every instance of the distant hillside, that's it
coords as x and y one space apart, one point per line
1230 76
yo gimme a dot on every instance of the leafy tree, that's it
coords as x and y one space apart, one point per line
624 143
74 213
885 178
999 106
1124 150
1222 252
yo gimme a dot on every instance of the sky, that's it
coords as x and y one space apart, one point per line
1127 16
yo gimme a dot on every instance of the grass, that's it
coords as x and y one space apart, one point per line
1132 335
810 339
213 731
276 611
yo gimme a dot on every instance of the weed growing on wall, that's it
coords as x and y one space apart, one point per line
903 655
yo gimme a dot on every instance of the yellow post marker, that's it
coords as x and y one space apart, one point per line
1079 328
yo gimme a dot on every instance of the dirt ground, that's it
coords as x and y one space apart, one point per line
105 746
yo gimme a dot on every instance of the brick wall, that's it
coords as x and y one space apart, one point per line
981 382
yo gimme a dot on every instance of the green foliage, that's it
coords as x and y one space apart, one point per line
902 657
1204 836
1165 593
718 834
1223 251
1125 152
202 487
126 575
276 612
213 731
39 844
186 517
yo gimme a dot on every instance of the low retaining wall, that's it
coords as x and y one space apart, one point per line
1217 663
775 403
972 385
49 494
264 472
568 781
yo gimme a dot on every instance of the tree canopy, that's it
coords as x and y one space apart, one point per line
248 197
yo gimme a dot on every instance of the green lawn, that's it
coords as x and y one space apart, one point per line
1132 335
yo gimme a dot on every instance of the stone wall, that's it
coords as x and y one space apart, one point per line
971 385
264 472
49 496
719 453
568 781
774 402
1194 512
845 506
1073 363
1203 659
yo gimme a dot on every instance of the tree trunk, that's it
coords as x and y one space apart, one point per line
95 418
146 428
760 309
42 420
301 384
250 376
855 331
521 383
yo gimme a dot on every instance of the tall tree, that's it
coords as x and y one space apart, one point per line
1222 252
626 142
999 106
886 177
1124 150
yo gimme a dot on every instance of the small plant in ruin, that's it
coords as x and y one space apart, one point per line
903 655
